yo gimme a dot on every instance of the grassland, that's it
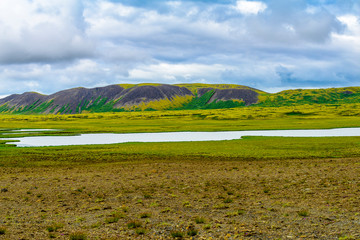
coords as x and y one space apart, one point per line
74 102
254 188
247 118
288 188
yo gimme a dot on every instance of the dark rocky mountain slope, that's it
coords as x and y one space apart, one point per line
130 97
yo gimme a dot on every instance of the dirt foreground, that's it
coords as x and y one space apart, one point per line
217 199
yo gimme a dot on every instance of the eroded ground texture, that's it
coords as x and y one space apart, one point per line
165 199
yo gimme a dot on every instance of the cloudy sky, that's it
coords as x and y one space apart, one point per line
47 46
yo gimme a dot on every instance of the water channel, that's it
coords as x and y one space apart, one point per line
111 138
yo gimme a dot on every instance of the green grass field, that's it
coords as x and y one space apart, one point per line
253 188
246 118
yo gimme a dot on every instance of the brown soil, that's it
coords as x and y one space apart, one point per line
287 199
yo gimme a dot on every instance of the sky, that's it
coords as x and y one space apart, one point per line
47 46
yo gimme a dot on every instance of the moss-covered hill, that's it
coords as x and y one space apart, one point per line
311 96
145 97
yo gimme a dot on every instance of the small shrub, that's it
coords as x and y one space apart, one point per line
134 224
96 208
145 215
80 219
240 212
192 232
228 200
199 220
221 206
235 213
111 220
50 229
140 231
207 227
78 236
346 238
177 234
54 227
95 225
52 235
147 196
114 217
166 210
154 204
2 230
303 213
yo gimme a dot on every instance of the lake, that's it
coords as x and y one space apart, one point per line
111 138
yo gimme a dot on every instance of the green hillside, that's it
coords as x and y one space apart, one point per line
311 96
152 97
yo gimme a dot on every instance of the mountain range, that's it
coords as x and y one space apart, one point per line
145 97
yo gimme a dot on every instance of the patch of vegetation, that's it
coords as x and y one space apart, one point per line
54 227
199 102
78 236
114 217
293 97
140 231
303 213
177 234
145 215
134 224
200 220
192 232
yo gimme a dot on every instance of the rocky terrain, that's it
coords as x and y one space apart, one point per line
123 97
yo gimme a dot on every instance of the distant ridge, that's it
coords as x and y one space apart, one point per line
145 97
129 97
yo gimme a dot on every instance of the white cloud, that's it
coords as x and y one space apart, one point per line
51 45
349 40
176 72
3 96
40 31
250 7
352 22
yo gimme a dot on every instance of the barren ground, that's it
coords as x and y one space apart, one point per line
210 199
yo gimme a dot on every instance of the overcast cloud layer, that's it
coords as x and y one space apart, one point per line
47 46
